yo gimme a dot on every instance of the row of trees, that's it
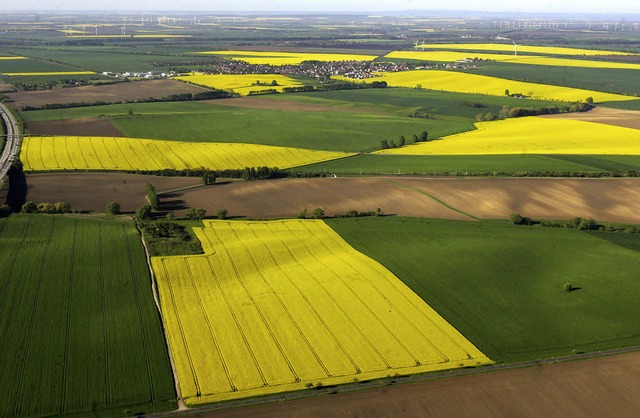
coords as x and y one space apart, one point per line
46 207
402 141
517 112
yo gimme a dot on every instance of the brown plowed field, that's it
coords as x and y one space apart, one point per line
614 200
74 127
110 93
602 387
616 117
93 191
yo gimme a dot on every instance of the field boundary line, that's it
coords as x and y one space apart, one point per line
443 203
381 383
154 290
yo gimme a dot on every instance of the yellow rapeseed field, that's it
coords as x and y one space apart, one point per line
533 135
474 83
106 153
49 73
13 58
508 47
242 84
286 58
450 56
277 306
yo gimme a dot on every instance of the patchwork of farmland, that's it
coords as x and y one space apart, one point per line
80 331
286 305
533 135
104 153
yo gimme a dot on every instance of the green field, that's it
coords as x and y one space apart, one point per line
501 285
33 66
475 164
80 331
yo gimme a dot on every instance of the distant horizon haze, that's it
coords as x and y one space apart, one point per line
363 6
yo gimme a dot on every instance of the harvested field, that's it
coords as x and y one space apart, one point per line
109 93
4 87
588 388
93 191
74 127
615 117
545 198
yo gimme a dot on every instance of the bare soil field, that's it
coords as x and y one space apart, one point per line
599 387
74 127
93 191
110 93
4 87
616 117
613 200
257 103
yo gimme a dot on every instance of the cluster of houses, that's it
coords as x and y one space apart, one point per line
149 75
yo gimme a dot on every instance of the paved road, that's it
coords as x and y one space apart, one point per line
12 145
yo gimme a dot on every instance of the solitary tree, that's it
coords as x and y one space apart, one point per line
200 214
318 213
222 214
113 208
424 136
415 138
190 213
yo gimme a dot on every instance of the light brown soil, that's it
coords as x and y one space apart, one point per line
613 200
257 103
4 87
616 117
588 388
134 90
73 127
93 191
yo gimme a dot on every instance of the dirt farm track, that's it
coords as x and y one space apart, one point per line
612 200
601 387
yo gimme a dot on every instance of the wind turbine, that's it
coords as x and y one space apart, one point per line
515 48
84 31
66 30
96 27
415 47
124 26
423 41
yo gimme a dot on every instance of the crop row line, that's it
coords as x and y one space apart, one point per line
145 342
210 327
181 328
105 324
309 303
277 295
65 369
259 310
338 305
340 256
237 323
15 257
32 320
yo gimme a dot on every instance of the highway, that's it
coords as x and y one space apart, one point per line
12 145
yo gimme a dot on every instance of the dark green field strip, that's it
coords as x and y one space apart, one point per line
611 80
475 164
33 66
79 322
626 105
501 284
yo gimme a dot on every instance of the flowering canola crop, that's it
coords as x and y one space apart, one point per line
287 58
532 135
450 56
551 50
286 305
107 153
242 84
480 84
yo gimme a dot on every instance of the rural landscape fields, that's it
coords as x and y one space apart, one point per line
228 209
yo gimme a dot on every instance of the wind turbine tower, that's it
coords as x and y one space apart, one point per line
515 48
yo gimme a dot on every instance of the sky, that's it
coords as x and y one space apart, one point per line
552 6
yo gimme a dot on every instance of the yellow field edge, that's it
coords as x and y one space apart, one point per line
278 306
